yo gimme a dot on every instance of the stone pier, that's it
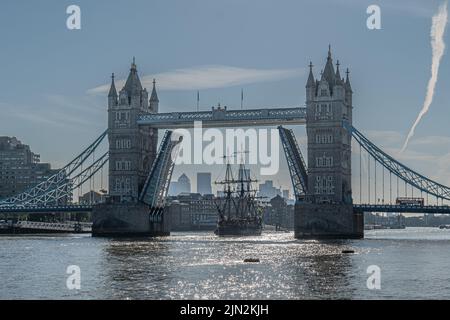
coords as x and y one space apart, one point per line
327 221
127 220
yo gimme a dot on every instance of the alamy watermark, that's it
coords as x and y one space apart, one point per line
73 281
374 20
374 280
261 146
73 22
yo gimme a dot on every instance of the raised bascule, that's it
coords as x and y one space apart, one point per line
139 172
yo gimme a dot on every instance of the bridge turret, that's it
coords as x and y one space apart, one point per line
310 84
328 72
339 85
154 101
133 93
348 89
112 95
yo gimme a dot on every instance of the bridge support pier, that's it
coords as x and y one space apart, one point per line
128 220
327 221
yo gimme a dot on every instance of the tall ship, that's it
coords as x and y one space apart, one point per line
239 213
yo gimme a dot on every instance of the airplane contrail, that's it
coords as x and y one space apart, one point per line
439 22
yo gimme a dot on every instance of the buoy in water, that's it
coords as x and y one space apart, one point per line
251 260
348 251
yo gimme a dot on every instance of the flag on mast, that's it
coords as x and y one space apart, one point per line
242 98
198 99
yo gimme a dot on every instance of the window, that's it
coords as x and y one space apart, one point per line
122 185
324 185
123 144
122 118
117 185
123 165
324 138
324 111
324 162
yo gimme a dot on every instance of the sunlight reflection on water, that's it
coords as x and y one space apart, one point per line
199 265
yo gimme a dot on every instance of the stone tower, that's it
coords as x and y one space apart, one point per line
132 149
328 209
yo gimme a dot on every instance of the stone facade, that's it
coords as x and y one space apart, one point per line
328 209
132 148
192 211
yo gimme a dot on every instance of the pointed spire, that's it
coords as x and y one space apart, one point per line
133 85
328 73
348 87
154 96
310 83
112 90
338 74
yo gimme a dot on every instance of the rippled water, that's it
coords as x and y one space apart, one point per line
414 264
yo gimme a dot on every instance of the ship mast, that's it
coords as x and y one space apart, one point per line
245 190
227 189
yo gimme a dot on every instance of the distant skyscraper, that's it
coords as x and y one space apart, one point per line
204 183
267 190
183 185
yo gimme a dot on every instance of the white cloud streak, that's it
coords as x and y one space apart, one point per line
439 22
207 77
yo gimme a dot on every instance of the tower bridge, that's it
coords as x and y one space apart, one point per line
139 171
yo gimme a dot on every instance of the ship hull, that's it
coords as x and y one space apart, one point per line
240 231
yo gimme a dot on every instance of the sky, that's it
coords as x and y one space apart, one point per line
52 77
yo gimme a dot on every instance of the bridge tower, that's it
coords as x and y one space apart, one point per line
327 211
132 148
132 151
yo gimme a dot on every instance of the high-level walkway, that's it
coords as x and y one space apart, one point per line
222 117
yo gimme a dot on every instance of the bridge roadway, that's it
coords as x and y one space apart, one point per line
401 208
222 117
45 209
357 207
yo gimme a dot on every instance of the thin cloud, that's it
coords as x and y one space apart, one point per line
58 111
207 77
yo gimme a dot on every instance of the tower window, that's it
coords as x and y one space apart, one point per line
323 111
123 144
324 162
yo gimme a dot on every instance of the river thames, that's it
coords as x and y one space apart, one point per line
414 264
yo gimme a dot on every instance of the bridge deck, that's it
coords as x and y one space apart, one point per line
357 207
401 208
45 209
221 117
